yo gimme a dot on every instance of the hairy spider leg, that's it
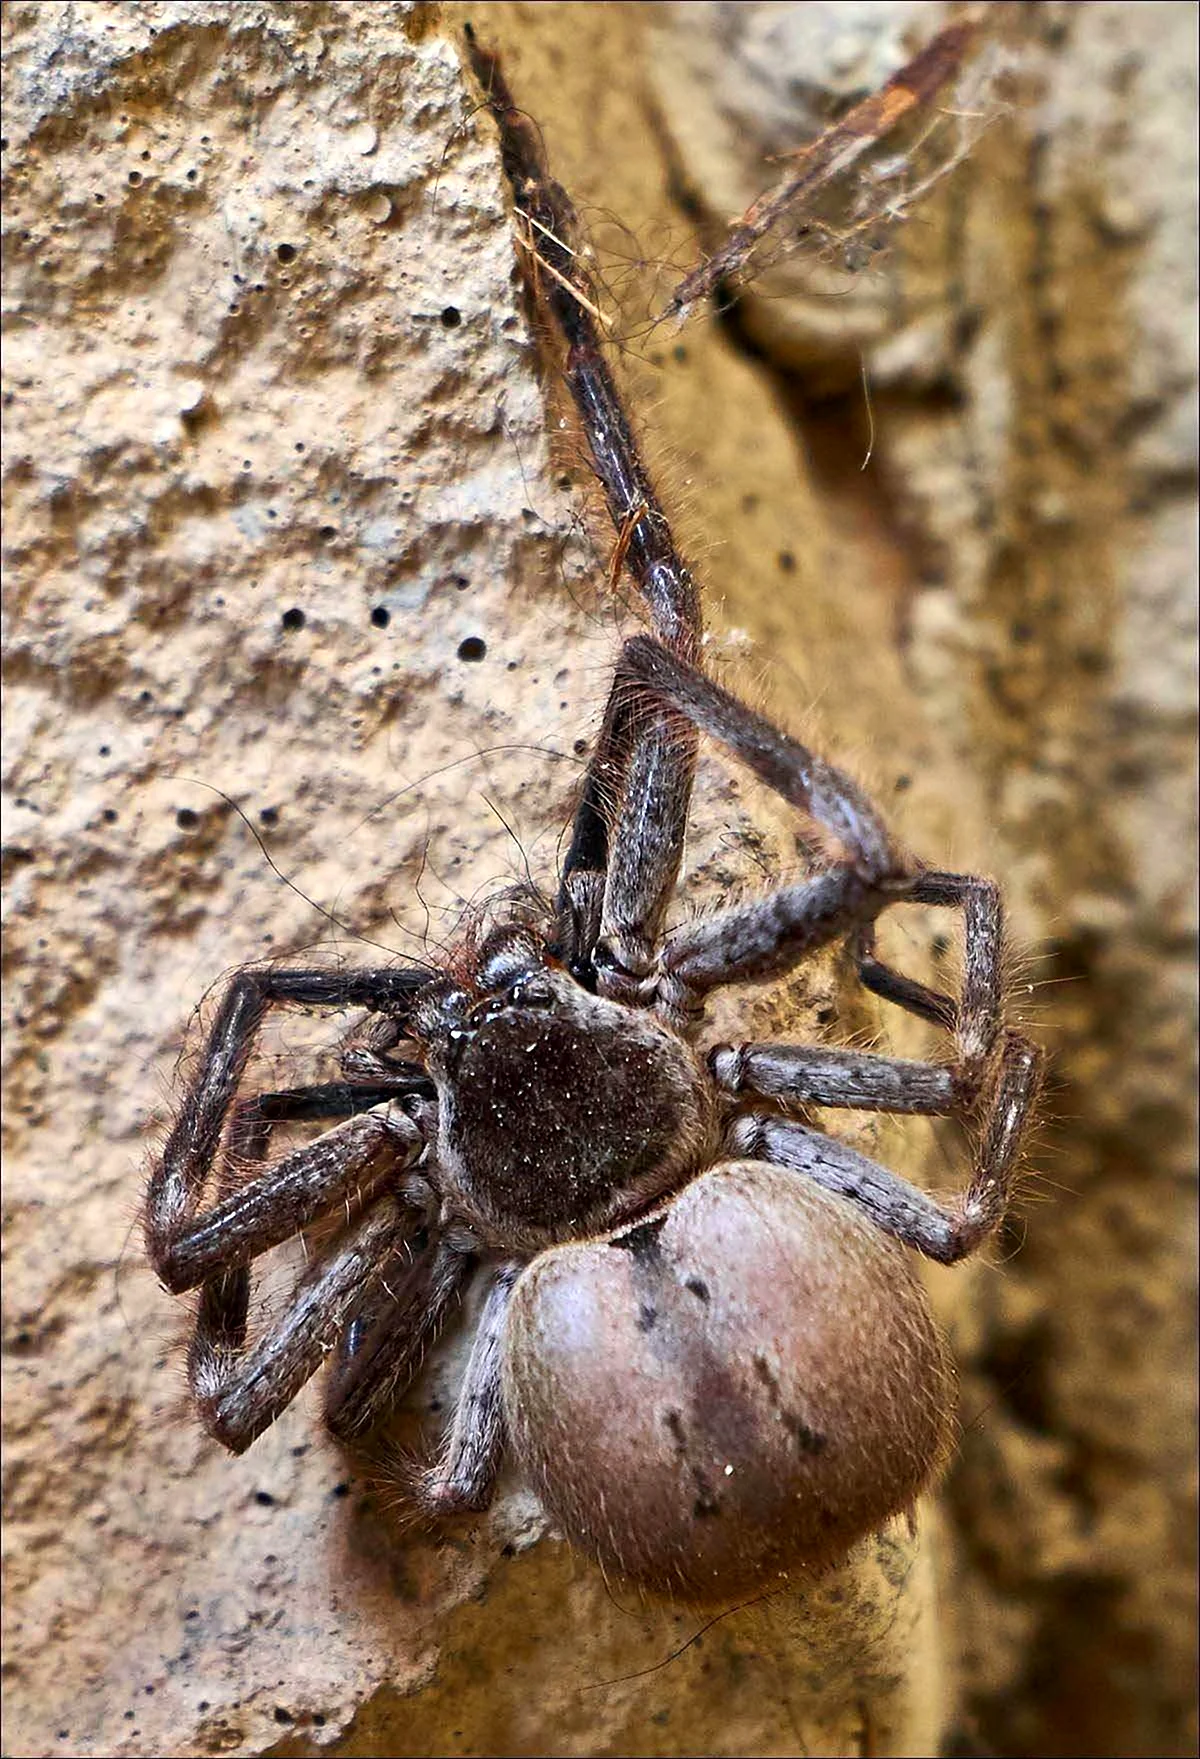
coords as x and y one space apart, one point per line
983 974
632 814
177 1183
179 1177
316 1179
893 986
942 1232
997 1075
858 1081
389 1328
239 1396
852 1080
465 1474
240 1391
830 155
189 1247
976 1019
664 581
768 936
225 1294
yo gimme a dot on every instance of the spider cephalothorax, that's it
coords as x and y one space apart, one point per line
701 1330
560 1113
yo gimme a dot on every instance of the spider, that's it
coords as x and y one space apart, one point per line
700 1330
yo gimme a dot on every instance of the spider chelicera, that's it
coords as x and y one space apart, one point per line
701 1329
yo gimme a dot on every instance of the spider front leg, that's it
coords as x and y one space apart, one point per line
177 1183
337 1170
241 1394
765 938
250 1217
626 848
214 1248
627 841
633 814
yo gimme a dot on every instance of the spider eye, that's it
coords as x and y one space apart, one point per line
529 992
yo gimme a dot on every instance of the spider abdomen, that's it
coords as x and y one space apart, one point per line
743 1385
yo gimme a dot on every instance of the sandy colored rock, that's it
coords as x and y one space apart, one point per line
276 469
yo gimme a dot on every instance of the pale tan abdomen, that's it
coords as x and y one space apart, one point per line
740 1387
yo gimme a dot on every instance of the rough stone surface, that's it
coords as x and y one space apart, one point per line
1031 353
275 447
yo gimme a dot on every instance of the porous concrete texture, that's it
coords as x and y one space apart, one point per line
275 449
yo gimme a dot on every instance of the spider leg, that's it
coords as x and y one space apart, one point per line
650 796
853 1080
827 795
632 815
344 1164
567 291
177 1181
630 821
254 1118
225 1293
626 845
976 1017
893 986
388 1329
464 1476
846 1078
942 1232
766 937
239 1394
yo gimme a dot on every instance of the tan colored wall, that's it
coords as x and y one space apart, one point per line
992 622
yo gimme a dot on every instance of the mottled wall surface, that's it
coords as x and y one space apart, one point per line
275 448
1031 351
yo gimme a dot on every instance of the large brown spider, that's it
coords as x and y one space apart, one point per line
701 1333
